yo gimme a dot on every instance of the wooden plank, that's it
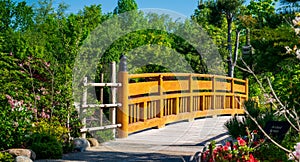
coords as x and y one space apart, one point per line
168 96
203 85
102 105
134 127
221 86
100 128
239 88
228 86
143 88
178 85
239 80
103 84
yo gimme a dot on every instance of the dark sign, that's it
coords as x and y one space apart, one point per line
277 129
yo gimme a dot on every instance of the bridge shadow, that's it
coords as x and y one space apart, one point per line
203 143
94 156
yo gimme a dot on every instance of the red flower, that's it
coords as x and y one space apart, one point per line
228 144
252 159
241 142
225 148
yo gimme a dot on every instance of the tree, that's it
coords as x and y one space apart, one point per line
263 11
125 6
230 9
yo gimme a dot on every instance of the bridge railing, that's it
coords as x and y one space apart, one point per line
155 99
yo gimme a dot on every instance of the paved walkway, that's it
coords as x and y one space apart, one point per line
175 142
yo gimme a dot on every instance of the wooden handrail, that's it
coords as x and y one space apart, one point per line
155 99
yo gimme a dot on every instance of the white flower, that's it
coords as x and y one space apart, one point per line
298 54
288 49
295 153
297 30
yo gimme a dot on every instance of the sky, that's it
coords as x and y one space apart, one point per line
184 7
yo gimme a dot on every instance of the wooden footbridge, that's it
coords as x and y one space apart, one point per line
156 99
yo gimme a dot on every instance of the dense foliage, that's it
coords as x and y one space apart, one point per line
39 45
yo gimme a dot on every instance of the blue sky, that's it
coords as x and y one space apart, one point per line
185 7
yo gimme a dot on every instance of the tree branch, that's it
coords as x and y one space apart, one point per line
284 108
262 130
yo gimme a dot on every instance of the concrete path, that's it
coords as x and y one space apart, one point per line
175 142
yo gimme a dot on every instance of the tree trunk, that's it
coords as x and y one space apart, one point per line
235 54
229 46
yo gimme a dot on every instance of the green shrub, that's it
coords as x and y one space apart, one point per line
237 128
15 124
46 146
53 128
68 147
104 135
268 152
6 157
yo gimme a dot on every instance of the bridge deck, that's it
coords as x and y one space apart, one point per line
172 143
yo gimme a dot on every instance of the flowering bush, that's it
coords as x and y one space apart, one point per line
15 124
32 91
240 151
296 154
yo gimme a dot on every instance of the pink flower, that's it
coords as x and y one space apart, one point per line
38 97
34 110
45 115
10 54
47 64
8 97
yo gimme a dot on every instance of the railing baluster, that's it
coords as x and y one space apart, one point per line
177 106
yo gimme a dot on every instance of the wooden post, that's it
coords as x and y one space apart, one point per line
101 99
247 88
161 101
232 93
190 104
214 92
214 95
122 113
190 108
112 111
83 103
